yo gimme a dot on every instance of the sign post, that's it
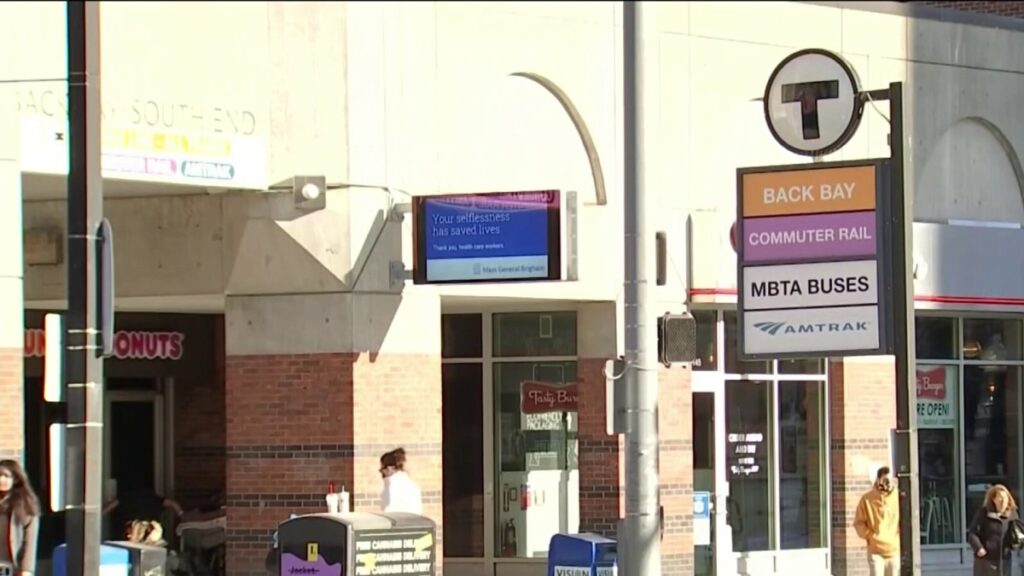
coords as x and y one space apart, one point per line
823 249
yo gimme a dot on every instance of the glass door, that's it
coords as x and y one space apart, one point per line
712 533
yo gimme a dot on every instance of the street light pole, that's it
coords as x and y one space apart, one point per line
83 361
640 535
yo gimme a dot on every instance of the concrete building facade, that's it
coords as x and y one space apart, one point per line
265 349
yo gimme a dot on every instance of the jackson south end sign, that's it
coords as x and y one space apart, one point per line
542 397
128 344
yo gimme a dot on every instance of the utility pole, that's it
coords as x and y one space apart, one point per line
902 214
640 534
83 361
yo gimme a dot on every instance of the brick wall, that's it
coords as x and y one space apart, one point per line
863 411
296 422
600 455
602 480
1011 9
675 422
200 467
12 385
199 439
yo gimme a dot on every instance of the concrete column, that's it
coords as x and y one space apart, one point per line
12 315
317 388
863 412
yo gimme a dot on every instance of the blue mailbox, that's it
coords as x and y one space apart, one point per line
114 561
582 555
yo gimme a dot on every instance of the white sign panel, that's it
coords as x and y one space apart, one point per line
811 102
810 285
818 329
571 571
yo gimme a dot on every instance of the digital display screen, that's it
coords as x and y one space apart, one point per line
493 237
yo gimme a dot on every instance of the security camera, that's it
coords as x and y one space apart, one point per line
310 191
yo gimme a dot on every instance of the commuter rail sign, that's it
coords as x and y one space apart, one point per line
813 260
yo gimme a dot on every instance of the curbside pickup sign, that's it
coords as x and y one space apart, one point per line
812 260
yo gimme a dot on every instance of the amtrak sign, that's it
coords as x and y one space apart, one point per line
812 102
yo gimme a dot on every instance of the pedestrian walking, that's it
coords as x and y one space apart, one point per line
19 521
400 492
988 532
877 521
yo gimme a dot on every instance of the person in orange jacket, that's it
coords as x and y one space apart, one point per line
878 522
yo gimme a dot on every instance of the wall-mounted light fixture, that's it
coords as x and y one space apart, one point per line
309 192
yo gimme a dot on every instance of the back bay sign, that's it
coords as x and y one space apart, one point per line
813 260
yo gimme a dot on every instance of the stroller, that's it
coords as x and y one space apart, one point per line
201 547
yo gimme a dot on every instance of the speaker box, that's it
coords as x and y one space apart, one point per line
677 338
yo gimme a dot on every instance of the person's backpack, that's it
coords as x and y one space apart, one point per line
1015 534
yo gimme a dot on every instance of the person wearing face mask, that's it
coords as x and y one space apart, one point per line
19 521
987 532
877 522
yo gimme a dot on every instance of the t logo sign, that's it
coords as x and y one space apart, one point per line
808 94
812 102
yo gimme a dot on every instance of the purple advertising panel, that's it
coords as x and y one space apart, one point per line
819 236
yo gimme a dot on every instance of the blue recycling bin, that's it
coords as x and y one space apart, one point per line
582 555
114 560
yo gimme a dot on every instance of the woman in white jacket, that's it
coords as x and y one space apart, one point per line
400 493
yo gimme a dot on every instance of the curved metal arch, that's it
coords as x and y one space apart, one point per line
1007 146
581 128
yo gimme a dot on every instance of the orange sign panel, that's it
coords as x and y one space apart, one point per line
809 191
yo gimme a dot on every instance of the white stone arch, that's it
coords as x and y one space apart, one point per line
973 172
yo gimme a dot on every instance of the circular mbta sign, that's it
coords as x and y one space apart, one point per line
812 102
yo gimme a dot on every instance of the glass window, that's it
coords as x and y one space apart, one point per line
707 340
992 340
536 455
802 474
462 336
801 366
938 401
748 465
732 362
535 334
936 338
462 459
991 424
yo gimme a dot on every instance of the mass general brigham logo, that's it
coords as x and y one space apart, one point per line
777 328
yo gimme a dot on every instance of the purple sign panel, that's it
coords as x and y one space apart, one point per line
837 235
292 565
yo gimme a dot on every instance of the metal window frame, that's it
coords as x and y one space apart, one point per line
490 562
714 381
961 363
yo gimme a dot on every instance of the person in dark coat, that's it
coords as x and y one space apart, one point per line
987 532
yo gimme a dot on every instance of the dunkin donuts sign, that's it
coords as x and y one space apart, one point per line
128 344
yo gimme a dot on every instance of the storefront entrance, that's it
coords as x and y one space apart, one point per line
135 439
510 445
760 459
712 536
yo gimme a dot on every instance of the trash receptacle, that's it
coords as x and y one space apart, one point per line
582 555
114 561
356 544
143 558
